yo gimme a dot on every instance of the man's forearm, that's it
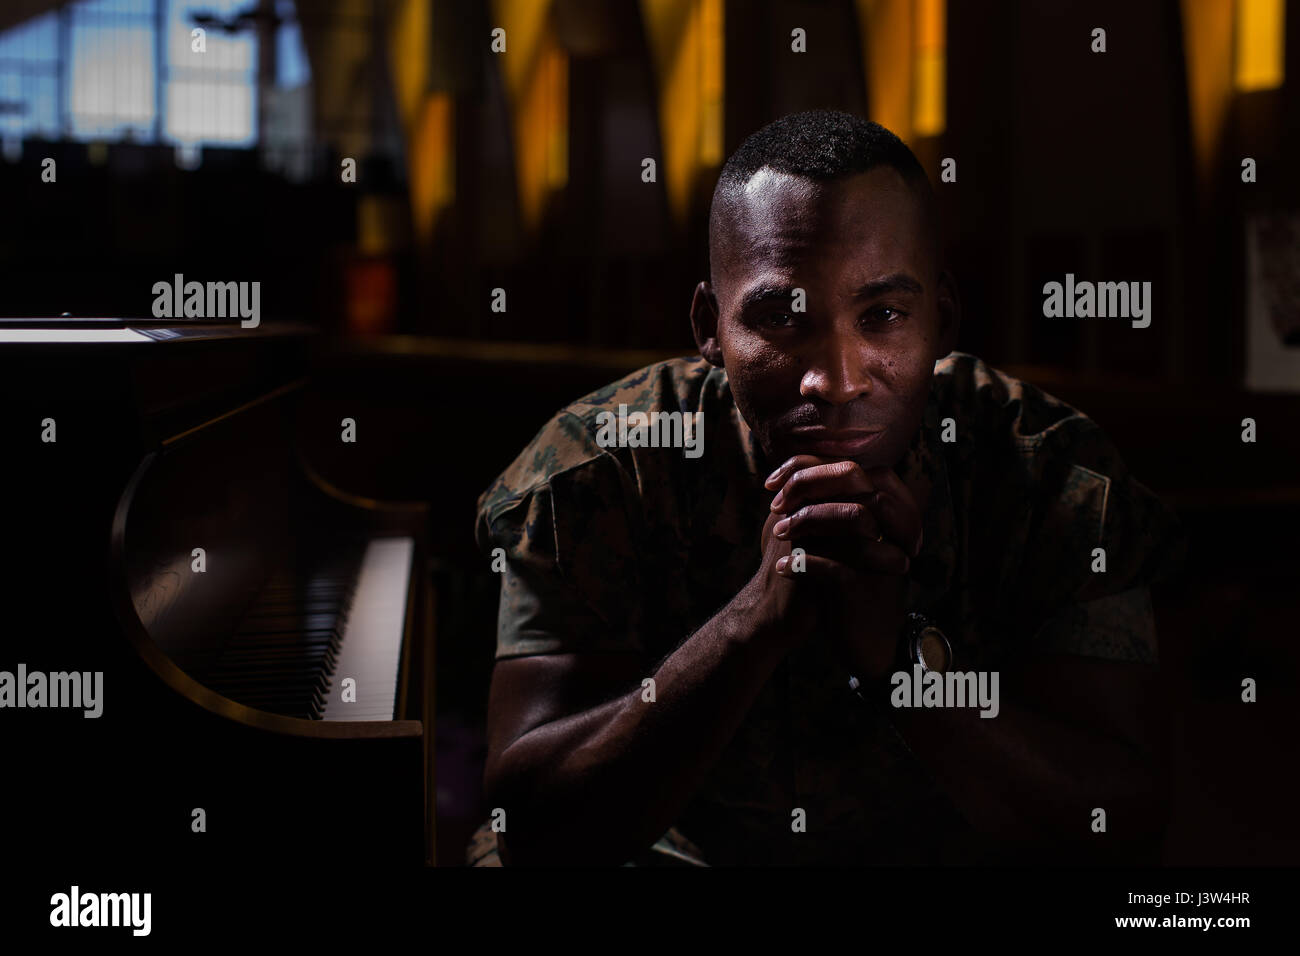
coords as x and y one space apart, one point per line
602 785
1032 782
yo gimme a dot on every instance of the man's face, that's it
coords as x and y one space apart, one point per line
849 376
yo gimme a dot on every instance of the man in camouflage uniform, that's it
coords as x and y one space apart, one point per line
673 677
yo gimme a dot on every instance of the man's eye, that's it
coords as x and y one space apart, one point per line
887 315
778 320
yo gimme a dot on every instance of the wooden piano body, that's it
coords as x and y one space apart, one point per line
223 688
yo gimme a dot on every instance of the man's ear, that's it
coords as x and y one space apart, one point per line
949 314
704 323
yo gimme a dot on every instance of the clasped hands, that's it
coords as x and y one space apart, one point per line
858 530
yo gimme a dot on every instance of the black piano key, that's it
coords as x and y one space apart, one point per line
305 593
245 656
305 624
273 684
284 635
285 641
268 677
280 608
282 643
260 671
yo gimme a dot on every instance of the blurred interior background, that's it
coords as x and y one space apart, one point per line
522 170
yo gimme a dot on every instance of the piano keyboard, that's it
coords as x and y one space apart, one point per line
342 616
372 637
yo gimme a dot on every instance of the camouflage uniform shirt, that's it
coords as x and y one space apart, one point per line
629 550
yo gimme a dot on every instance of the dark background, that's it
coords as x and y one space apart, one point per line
1116 166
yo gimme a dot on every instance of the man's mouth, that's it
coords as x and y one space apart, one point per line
834 442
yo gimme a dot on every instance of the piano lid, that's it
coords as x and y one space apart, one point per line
94 330
71 336
149 381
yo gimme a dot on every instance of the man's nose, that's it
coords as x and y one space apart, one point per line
838 370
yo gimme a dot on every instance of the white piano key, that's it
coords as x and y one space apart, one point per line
371 647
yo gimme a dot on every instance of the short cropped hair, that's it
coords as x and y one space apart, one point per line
821 145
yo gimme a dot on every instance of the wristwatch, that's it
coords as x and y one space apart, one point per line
922 642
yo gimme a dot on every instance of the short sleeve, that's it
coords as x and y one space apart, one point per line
1099 540
572 581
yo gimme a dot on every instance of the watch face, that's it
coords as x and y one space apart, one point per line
932 651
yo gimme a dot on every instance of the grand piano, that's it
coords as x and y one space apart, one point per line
266 638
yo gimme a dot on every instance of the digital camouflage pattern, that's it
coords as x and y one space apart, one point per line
629 550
